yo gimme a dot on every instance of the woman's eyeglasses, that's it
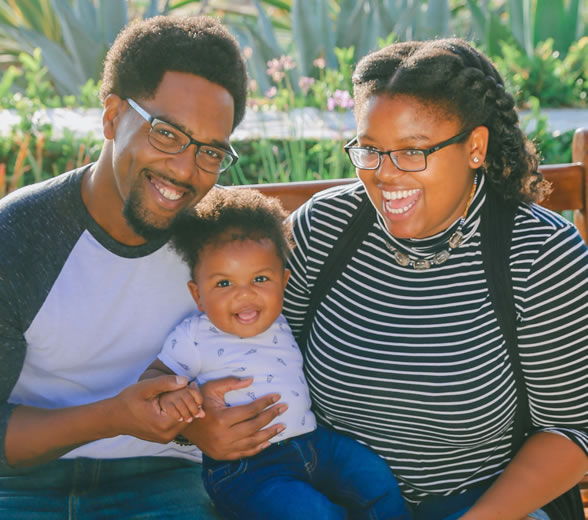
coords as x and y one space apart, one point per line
406 160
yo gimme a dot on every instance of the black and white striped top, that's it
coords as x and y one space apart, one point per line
413 363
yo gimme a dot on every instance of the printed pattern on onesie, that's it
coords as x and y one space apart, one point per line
198 350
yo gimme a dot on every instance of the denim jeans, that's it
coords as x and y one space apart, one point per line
141 488
537 515
319 475
455 506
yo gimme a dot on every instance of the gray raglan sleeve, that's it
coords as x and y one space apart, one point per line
12 353
38 226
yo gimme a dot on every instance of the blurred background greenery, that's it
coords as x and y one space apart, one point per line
300 53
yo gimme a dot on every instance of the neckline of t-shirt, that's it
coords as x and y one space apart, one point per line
100 235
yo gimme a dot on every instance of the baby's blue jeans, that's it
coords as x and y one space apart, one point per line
321 475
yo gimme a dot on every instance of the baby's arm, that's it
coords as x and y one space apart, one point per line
184 404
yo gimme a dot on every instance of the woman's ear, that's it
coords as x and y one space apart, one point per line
286 277
113 105
478 142
193 287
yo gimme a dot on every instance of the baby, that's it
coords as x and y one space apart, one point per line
236 243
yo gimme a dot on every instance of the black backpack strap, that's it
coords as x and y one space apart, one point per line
338 258
496 236
496 230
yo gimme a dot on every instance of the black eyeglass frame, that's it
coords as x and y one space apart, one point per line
154 120
426 152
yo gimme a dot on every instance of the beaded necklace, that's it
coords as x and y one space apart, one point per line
440 257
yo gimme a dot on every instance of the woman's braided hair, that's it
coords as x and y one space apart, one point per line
451 75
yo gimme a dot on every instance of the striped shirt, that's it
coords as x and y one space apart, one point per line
413 363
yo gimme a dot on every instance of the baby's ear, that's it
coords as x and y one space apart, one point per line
193 287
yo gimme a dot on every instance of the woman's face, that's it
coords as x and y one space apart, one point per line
418 204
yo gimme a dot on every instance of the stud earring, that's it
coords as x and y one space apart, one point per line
476 160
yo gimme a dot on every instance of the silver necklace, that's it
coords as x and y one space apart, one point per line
455 240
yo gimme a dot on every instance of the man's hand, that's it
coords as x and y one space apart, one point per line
136 410
231 433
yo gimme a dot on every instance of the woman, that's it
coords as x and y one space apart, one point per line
405 352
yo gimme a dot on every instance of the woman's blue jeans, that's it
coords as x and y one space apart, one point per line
154 488
319 475
455 506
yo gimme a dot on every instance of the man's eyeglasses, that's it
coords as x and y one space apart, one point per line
406 160
167 138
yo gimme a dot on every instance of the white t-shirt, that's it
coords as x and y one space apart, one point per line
198 350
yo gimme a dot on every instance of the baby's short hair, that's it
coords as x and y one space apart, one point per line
229 214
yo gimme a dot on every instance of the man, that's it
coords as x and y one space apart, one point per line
89 290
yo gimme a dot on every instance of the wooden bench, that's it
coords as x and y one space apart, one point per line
570 192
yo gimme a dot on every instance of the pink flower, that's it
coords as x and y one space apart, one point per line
271 92
340 98
305 83
287 62
320 63
276 67
274 70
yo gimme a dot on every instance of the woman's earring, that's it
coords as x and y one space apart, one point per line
476 160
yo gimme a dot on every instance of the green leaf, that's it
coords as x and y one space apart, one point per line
548 17
266 30
62 70
112 17
85 52
436 19
521 23
313 33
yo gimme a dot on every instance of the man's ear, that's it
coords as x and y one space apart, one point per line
193 287
113 108
478 142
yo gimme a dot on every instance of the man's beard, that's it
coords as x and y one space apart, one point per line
138 219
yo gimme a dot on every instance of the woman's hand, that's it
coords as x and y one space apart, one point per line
227 433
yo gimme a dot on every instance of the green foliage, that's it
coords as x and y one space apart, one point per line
273 160
328 89
73 35
553 147
27 88
526 23
31 152
317 28
543 74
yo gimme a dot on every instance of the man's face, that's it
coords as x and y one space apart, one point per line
151 187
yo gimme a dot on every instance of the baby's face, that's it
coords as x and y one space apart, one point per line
240 286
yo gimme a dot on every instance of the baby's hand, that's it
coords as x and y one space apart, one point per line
184 404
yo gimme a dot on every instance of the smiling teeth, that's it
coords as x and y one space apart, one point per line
169 194
398 211
396 195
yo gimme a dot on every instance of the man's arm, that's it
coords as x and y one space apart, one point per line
36 435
